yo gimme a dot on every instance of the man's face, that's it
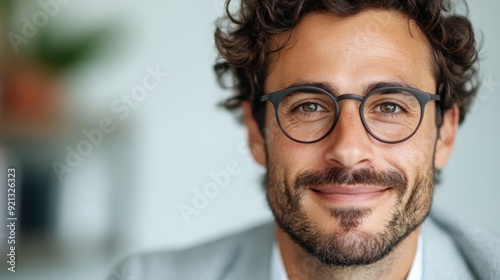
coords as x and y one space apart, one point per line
349 199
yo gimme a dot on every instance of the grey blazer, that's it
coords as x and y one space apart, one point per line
450 251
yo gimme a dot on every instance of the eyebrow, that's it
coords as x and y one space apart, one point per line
367 88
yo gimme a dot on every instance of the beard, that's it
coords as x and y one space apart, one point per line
348 246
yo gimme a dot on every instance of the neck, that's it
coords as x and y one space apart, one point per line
300 264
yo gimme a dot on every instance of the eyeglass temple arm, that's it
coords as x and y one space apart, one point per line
435 97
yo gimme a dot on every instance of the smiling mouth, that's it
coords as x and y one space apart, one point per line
350 194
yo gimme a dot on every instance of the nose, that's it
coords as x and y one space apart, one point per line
349 145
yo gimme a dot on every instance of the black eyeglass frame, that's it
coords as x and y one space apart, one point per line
276 97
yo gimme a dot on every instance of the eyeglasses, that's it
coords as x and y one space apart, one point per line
307 114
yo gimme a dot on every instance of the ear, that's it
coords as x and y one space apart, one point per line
447 135
255 139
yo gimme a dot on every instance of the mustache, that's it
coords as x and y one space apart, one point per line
343 176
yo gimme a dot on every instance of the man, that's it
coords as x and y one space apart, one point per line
353 107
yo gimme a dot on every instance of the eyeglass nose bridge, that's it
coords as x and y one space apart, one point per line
349 96
339 98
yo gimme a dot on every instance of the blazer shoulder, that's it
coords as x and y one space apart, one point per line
478 246
210 260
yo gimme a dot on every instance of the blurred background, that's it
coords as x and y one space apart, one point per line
108 113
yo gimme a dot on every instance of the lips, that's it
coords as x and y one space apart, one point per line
348 189
348 194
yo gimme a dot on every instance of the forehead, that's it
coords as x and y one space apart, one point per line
353 52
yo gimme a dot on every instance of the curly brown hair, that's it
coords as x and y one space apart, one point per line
244 42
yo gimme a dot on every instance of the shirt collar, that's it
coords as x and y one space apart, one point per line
416 267
278 271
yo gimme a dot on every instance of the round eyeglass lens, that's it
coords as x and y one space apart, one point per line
391 115
306 116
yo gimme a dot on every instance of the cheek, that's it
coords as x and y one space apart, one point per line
288 156
416 154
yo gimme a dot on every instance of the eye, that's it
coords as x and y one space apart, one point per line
388 108
311 107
